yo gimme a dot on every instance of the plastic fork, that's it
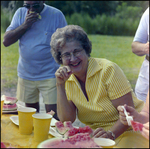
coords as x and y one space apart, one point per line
129 118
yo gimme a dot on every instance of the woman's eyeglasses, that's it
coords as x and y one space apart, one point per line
67 55
33 6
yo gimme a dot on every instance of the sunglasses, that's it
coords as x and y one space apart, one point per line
33 6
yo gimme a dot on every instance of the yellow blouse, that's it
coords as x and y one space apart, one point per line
105 81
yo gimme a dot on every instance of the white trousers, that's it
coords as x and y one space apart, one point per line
142 84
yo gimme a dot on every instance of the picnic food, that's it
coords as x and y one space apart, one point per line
60 128
85 129
3 145
68 124
39 16
9 103
7 107
73 131
51 112
68 130
136 126
81 140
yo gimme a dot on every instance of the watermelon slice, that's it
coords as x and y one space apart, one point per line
79 137
3 145
85 129
8 100
51 112
9 107
71 132
60 128
74 131
136 126
68 130
68 124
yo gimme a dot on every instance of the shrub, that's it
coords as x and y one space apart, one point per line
76 19
5 19
124 22
125 12
105 25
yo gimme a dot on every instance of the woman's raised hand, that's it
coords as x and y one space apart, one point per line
62 74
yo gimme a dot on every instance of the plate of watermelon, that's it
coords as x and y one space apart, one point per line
60 129
79 140
10 105
65 130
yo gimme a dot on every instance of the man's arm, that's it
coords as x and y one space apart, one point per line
12 36
140 49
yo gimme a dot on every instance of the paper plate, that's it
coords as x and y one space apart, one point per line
15 120
48 143
53 121
104 142
10 112
54 133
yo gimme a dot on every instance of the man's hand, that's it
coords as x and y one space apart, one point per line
146 48
30 19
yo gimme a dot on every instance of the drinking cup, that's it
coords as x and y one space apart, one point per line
2 103
26 120
41 126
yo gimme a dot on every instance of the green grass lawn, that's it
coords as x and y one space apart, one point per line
9 60
114 48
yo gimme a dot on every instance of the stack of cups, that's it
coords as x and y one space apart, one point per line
29 120
26 120
2 103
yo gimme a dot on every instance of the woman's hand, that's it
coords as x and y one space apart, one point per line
100 132
131 112
145 130
62 74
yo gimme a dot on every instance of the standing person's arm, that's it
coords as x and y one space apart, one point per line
12 36
140 44
140 49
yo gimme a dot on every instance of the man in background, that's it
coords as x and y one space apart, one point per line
33 24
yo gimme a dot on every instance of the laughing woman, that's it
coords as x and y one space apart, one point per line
94 87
